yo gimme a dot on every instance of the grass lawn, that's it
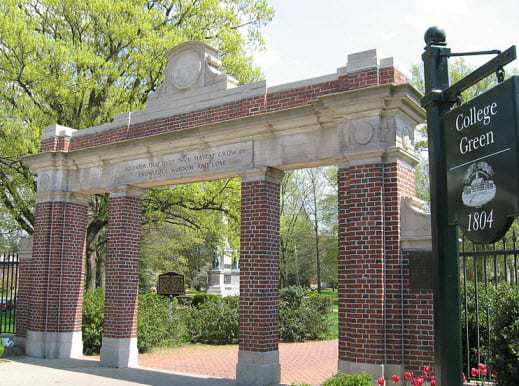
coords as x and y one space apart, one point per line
333 316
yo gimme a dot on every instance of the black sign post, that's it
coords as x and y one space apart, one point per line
444 241
473 178
482 176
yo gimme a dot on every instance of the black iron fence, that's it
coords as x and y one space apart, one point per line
483 268
8 288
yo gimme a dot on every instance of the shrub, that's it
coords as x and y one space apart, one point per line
505 337
154 322
155 325
202 298
93 317
342 379
216 320
303 315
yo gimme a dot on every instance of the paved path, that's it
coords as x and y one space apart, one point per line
310 362
194 365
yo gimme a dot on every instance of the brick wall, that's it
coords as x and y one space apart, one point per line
373 274
360 264
55 144
259 266
122 266
57 266
23 297
418 320
271 102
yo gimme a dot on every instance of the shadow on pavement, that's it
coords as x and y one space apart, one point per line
35 371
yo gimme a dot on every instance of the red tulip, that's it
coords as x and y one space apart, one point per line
474 372
418 381
381 381
494 373
433 381
395 378
408 375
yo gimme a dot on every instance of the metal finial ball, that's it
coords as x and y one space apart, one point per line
434 35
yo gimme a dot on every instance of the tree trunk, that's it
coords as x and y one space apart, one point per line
92 269
102 272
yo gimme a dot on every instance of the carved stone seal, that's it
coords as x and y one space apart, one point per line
185 70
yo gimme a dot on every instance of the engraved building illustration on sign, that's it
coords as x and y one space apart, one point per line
479 187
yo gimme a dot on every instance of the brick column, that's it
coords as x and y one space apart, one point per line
258 357
23 295
370 269
119 346
416 245
54 319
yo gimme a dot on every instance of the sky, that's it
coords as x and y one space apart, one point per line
309 38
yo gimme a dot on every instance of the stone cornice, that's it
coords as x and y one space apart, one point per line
370 123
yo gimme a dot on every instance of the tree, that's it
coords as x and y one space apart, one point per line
80 63
458 69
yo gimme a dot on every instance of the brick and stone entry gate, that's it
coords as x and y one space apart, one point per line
199 125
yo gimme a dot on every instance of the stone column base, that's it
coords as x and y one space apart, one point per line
258 368
52 345
375 370
119 352
20 341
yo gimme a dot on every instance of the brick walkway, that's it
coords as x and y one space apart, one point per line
310 362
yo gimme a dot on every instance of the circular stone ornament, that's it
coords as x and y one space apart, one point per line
185 69
363 132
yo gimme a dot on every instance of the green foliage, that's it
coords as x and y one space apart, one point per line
499 311
80 63
156 326
201 298
303 315
93 317
215 320
341 379
505 318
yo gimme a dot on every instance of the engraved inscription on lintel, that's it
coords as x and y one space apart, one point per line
214 159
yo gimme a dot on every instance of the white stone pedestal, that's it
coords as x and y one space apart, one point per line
54 345
258 368
119 352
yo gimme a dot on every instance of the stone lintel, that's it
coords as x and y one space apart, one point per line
258 368
119 352
54 345
373 369
56 130
263 174
128 191
68 197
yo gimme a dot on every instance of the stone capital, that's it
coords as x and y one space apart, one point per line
69 197
263 174
128 191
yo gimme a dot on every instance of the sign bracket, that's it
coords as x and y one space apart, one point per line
495 65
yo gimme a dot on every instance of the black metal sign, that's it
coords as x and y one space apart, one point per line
482 163
171 284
